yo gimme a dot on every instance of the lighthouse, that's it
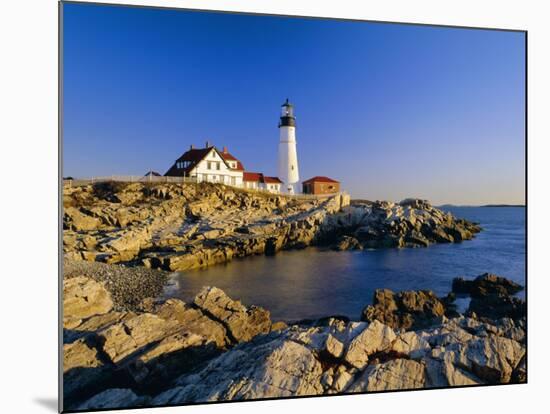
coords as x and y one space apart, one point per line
288 157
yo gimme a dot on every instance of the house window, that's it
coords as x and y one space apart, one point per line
218 166
209 165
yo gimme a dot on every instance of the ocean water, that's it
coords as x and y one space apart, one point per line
313 283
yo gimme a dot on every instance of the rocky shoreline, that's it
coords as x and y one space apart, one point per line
217 349
124 347
128 286
177 227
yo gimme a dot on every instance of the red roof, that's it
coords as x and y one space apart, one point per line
272 180
196 155
252 176
228 157
260 178
320 179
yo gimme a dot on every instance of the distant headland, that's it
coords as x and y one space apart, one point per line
484 205
504 205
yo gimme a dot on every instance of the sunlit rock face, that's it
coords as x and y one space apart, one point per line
177 227
218 349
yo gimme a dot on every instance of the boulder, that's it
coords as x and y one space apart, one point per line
334 346
407 309
123 339
496 306
242 323
416 238
94 324
490 360
80 355
155 348
74 219
447 334
266 368
492 296
442 372
347 243
376 338
485 285
129 241
279 326
194 321
83 298
158 364
114 398
397 374
83 371
416 203
411 344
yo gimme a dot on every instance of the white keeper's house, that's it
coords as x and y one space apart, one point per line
209 164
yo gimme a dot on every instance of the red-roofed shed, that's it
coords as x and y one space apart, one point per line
320 185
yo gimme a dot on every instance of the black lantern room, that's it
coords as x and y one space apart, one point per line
287 115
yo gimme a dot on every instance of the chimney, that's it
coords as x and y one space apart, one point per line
225 150
192 146
207 144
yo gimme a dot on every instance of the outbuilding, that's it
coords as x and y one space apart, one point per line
258 181
320 185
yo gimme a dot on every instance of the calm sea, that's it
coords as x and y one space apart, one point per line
312 283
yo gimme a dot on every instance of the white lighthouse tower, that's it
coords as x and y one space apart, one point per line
288 158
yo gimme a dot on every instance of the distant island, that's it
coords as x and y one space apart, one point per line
485 205
504 205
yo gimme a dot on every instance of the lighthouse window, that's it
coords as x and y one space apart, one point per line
292 167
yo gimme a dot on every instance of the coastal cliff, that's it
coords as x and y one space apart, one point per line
177 227
217 349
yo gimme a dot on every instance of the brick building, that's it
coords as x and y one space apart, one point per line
320 185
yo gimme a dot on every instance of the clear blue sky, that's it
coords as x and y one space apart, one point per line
390 110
